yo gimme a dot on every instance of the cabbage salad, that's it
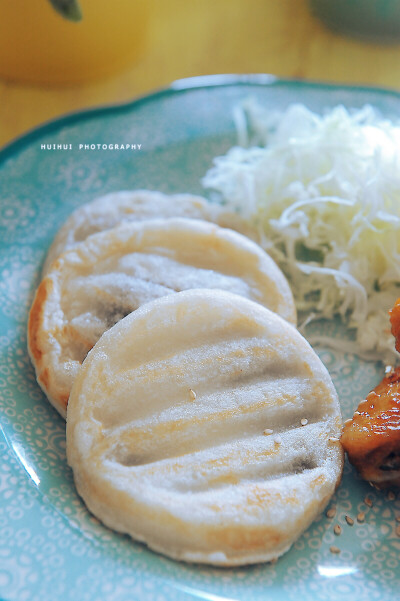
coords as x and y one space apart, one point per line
323 194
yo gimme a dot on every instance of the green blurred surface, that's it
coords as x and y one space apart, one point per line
370 20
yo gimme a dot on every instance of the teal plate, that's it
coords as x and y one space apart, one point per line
51 548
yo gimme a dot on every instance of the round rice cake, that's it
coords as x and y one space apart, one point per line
135 205
93 285
205 425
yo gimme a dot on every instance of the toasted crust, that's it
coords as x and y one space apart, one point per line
39 347
166 429
96 283
35 322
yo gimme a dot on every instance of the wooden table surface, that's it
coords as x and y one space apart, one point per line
197 37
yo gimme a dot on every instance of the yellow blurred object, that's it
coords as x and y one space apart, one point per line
38 45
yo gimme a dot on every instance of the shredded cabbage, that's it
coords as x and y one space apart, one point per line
324 194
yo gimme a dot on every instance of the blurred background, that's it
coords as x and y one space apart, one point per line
126 48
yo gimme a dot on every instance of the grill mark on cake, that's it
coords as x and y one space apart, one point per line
248 396
258 395
245 452
262 474
218 482
240 331
173 439
239 464
224 367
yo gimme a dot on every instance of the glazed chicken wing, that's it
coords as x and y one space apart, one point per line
372 438
395 323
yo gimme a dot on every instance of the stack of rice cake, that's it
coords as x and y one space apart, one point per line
199 420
